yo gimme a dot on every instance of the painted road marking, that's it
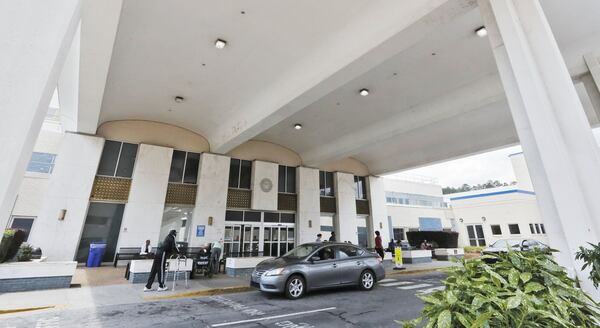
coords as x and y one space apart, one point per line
397 283
223 324
430 290
414 286
386 280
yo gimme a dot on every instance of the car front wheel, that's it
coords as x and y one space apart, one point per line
367 280
295 287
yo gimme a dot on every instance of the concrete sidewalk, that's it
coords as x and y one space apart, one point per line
88 293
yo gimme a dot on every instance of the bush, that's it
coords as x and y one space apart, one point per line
443 239
9 246
522 289
591 258
473 249
25 253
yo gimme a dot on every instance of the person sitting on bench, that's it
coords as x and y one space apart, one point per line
146 248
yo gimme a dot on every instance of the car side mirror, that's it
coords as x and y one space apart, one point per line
314 259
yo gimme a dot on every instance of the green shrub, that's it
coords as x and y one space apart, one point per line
9 246
591 258
24 253
522 289
473 249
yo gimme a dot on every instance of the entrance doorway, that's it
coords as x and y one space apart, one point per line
102 225
362 231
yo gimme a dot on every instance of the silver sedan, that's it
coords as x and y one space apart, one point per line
317 266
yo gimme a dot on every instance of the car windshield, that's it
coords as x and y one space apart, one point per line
506 243
301 251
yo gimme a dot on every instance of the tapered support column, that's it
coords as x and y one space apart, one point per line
308 220
378 220
35 37
556 137
345 222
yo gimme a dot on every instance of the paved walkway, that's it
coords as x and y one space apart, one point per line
105 287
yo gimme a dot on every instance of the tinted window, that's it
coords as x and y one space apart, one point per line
542 227
471 231
41 162
531 228
329 181
326 253
496 230
108 160
360 186
288 218
290 181
537 228
252 216
191 168
177 163
22 224
281 182
245 174
347 251
127 160
322 182
234 216
271 217
514 229
234 173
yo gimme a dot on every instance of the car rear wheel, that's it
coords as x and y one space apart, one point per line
367 280
295 287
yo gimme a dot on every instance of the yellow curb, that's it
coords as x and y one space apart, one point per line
209 292
26 309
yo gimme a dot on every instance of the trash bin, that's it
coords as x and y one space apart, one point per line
95 255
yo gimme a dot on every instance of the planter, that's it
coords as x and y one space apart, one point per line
416 256
25 276
242 266
446 254
139 270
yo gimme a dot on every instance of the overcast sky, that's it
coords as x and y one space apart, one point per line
494 165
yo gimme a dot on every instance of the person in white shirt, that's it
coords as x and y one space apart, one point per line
146 248
319 238
215 254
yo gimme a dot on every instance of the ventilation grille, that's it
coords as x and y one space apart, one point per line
328 205
179 193
287 202
238 198
111 188
362 207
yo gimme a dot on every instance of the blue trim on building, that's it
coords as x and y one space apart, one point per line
511 191
514 154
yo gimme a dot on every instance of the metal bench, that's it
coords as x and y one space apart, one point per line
128 253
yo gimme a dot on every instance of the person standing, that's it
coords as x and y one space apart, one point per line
167 248
319 238
379 245
215 254
332 238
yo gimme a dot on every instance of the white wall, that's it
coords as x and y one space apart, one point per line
345 221
407 216
69 188
144 209
309 206
377 221
409 187
500 209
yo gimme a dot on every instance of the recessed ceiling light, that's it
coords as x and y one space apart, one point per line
297 126
179 99
364 92
481 32
220 44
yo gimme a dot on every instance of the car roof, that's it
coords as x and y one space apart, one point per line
330 243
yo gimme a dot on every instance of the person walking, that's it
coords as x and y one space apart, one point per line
215 254
332 238
167 248
319 238
379 245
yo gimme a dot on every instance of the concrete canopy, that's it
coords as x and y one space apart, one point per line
435 93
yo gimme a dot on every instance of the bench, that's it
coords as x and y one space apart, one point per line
128 253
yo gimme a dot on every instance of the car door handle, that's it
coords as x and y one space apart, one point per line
335 265
359 263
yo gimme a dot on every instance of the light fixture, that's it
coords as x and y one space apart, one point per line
297 126
461 220
364 92
220 44
483 218
179 99
481 32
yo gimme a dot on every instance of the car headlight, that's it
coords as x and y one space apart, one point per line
274 272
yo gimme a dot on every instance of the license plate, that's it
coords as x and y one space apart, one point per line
202 263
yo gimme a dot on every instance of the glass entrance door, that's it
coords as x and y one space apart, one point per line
241 240
476 237
102 225
278 240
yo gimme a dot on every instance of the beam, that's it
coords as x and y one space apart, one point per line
367 42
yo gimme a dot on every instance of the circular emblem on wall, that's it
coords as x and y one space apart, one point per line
266 185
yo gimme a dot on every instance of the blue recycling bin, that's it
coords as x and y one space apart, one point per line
95 255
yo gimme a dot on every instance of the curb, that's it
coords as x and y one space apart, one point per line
395 273
26 309
207 292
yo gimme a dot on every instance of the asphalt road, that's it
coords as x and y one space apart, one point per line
392 299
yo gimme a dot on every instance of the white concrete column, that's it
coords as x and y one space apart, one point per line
308 218
69 189
211 198
345 221
143 213
549 118
35 38
378 220
264 186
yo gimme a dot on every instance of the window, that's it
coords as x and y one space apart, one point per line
399 234
542 227
360 186
514 229
287 179
531 228
240 174
117 159
496 230
326 226
475 233
325 253
326 183
537 228
22 223
344 252
184 167
41 162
